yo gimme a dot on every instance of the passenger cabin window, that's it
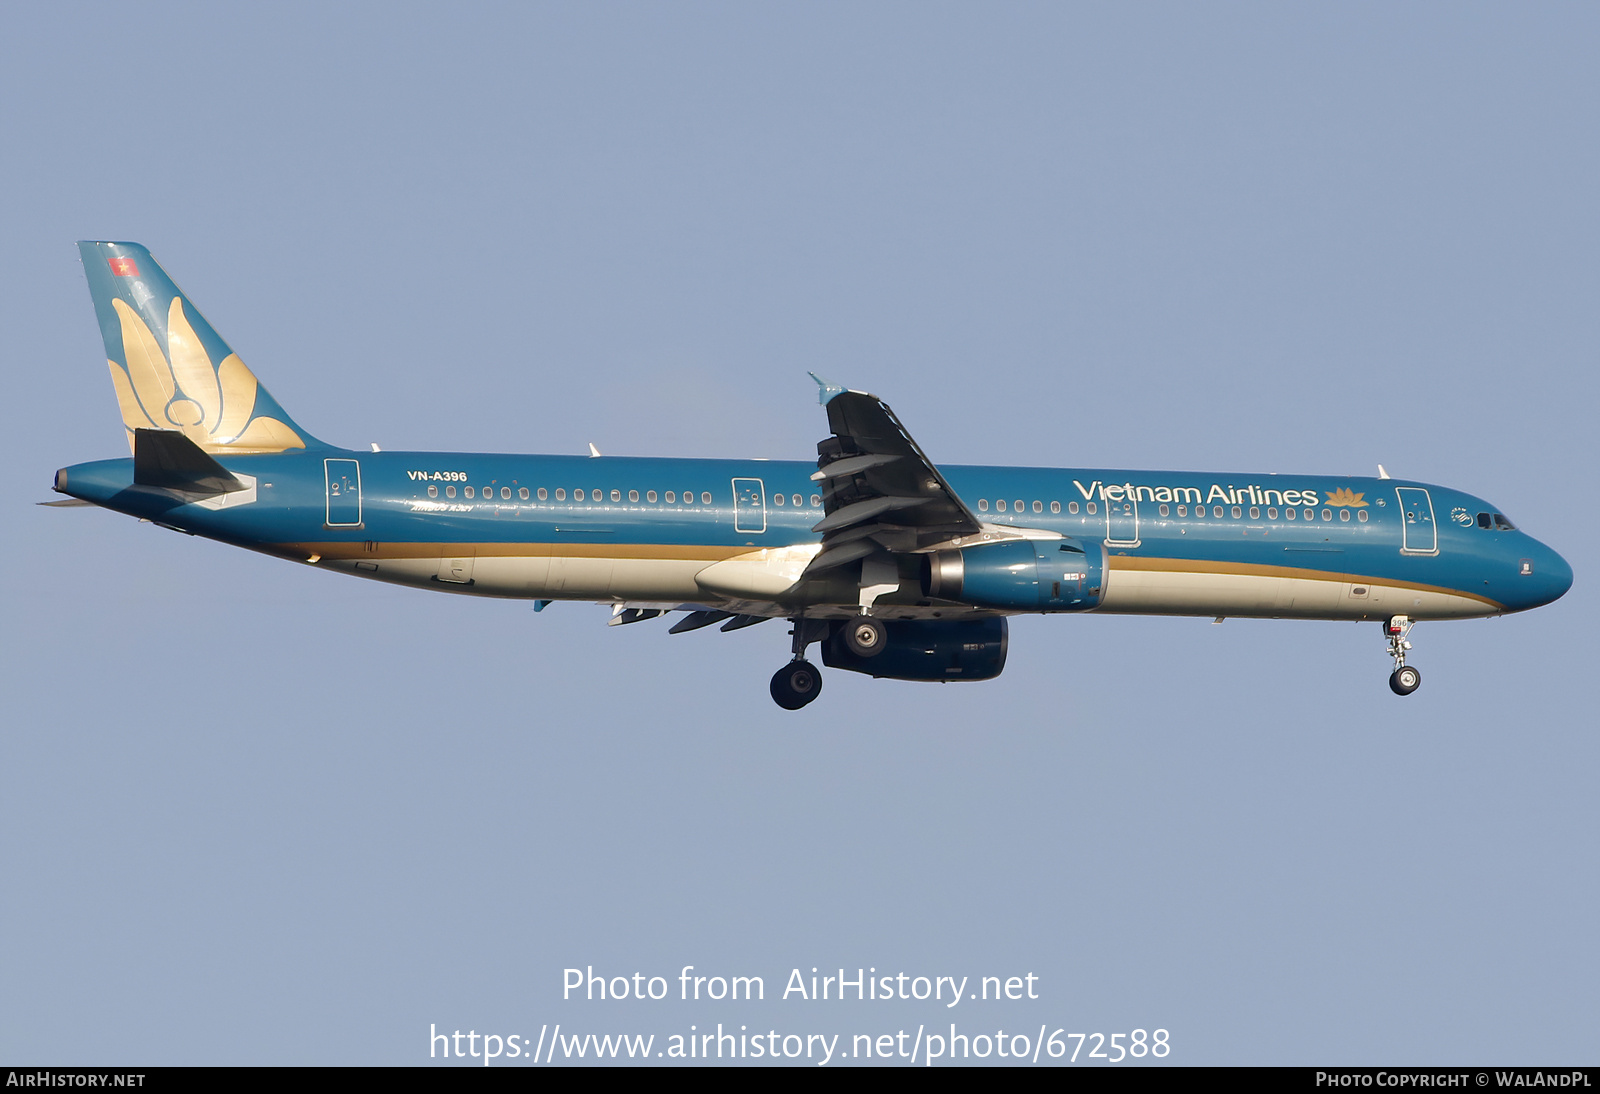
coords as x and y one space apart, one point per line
505 493
1072 507
1216 510
1089 508
1000 506
1255 514
1311 514
1235 512
1018 504
797 501
449 491
1165 510
672 497
1361 515
1344 514
777 499
1272 513
544 494
1038 507
1055 507
467 490
577 495
1183 510
1327 514
561 493
1290 513
616 495
705 497
816 500
649 495
633 495
522 493
433 491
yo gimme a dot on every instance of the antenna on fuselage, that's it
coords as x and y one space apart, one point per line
593 451
1382 474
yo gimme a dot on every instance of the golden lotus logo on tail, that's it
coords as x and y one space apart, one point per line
181 389
1345 496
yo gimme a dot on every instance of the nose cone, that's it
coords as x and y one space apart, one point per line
1546 576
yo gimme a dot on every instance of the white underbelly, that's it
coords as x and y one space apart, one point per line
1179 592
541 577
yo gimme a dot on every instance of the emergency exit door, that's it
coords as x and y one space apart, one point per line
749 505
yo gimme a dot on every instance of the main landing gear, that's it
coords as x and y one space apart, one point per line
865 636
796 684
1405 679
799 682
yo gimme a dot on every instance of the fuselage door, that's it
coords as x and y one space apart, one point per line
1122 522
1418 534
749 505
343 479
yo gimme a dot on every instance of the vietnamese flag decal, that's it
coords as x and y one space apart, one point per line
124 267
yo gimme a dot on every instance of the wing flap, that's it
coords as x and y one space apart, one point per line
879 486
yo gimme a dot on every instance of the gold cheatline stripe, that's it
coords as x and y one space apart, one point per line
1253 569
651 552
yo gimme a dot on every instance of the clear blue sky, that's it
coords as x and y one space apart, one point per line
254 813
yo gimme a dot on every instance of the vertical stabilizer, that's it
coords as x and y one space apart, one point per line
169 368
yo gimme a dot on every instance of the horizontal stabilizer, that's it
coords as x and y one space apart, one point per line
167 459
67 503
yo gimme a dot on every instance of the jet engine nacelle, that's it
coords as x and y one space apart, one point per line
1029 575
965 649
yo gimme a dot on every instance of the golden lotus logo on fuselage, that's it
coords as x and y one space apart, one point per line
1347 497
181 389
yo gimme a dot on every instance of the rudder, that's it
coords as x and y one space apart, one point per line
170 369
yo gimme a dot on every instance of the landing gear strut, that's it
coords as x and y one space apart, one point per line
799 682
1405 679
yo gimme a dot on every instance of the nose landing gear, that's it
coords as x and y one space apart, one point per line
1405 679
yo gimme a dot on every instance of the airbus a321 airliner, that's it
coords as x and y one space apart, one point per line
897 567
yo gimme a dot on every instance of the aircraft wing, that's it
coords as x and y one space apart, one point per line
879 491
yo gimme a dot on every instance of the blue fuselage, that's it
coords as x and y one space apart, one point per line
639 529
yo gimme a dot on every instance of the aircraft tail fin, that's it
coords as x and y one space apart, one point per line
170 369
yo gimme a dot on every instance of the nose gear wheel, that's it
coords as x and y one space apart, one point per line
1405 679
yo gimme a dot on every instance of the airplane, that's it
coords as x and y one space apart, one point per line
896 567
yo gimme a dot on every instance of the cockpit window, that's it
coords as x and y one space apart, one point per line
1501 524
1483 521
